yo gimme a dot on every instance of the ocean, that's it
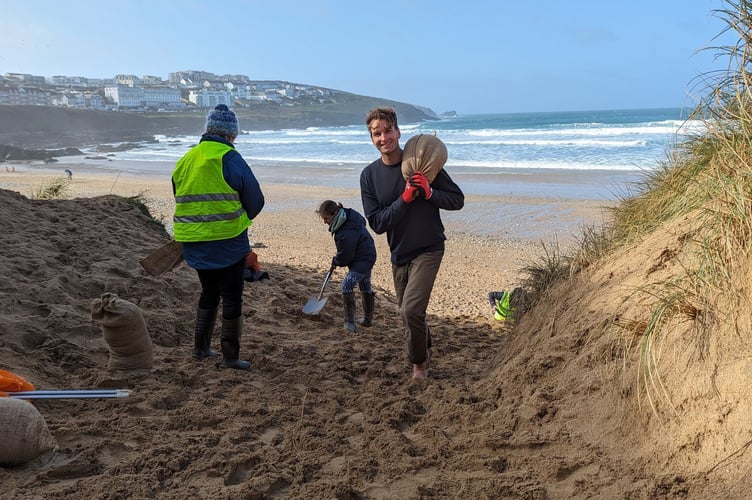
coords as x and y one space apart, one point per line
589 155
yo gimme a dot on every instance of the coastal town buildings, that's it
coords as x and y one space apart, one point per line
132 97
183 90
209 98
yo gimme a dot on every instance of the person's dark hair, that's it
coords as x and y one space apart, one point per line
329 207
387 114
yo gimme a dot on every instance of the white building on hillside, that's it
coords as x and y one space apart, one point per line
25 96
71 81
210 98
140 97
26 78
127 80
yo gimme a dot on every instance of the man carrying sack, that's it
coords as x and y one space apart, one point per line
406 206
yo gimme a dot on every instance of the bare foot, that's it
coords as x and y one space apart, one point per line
420 370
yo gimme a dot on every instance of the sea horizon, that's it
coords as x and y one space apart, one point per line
591 155
613 140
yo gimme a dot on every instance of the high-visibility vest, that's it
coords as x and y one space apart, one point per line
206 207
502 309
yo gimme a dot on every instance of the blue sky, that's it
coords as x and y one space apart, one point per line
470 56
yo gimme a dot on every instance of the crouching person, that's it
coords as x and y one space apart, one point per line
216 198
356 251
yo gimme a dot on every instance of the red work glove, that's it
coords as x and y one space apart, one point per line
251 262
410 193
420 183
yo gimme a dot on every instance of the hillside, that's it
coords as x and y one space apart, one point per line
39 127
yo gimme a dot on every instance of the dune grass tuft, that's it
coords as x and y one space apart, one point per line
57 188
551 268
709 178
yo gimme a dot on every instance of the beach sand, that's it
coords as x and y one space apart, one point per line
321 414
488 241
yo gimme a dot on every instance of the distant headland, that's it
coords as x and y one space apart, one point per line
72 112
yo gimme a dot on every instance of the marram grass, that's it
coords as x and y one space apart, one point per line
709 178
57 188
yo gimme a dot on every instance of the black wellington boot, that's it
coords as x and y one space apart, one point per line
231 329
349 300
368 305
205 320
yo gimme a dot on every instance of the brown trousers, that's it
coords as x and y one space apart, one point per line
413 283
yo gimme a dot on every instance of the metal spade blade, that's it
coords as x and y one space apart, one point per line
316 303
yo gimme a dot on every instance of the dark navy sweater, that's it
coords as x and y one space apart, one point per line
411 228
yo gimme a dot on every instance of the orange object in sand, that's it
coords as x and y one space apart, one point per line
252 261
10 382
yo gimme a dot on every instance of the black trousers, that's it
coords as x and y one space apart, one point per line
226 284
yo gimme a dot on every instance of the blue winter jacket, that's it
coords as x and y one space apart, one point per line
355 247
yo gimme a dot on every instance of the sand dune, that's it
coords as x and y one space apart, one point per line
540 411
322 413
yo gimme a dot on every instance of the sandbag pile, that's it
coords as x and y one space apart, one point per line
124 330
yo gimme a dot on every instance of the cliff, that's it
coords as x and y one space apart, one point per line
35 127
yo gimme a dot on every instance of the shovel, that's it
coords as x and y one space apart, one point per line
163 259
315 304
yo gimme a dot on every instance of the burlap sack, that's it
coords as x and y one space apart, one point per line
23 432
423 153
124 330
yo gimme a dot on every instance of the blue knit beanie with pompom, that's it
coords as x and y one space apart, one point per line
221 121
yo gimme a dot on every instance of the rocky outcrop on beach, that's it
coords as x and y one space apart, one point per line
47 127
12 153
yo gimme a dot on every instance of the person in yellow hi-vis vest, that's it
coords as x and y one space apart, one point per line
216 198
